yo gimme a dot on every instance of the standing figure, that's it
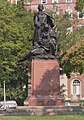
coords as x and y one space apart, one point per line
44 40
41 19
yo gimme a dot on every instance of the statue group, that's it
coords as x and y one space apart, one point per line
44 43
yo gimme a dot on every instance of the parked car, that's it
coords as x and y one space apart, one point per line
9 104
67 104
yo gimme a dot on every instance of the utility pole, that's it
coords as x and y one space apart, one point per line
4 96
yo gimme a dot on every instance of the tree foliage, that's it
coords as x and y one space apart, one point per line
71 46
73 60
80 5
16 28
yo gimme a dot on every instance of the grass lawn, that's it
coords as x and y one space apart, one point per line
61 117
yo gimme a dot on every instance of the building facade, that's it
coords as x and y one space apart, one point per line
57 6
73 86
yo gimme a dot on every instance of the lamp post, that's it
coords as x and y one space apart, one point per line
4 96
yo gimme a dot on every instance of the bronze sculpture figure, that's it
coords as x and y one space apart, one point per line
44 41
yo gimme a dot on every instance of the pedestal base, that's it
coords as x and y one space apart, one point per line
45 83
45 101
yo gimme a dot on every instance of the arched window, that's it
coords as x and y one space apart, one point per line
76 87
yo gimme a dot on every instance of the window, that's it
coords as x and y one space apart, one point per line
76 87
43 1
80 15
14 1
54 1
69 11
68 0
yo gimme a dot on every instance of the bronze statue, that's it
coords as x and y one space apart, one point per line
44 41
41 19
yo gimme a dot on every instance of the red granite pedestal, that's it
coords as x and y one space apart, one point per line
45 83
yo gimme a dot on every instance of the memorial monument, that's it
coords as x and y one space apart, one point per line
45 67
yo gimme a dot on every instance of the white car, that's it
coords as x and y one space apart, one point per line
67 104
8 104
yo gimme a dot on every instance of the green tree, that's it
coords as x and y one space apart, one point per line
80 5
73 60
71 46
16 29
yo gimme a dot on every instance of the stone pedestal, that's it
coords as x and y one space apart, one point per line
45 83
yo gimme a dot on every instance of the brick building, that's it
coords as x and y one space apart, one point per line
57 6
73 86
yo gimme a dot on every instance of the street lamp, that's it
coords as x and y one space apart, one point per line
4 96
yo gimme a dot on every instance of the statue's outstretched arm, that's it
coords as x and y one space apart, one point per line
26 57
